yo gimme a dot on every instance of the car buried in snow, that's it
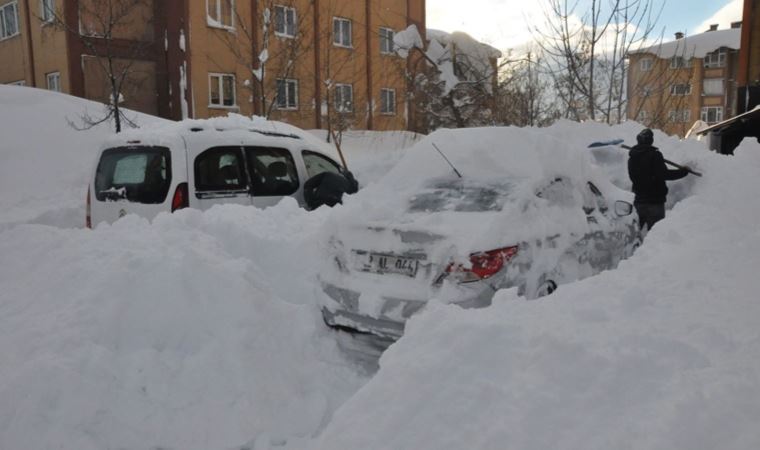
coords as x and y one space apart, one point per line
529 216
202 163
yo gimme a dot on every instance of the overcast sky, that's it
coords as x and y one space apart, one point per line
504 23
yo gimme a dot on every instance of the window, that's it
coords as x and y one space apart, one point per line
220 169
219 13
140 175
8 20
287 94
316 164
386 41
712 114
388 101
646 91
344 98
284 21
678 62
54 81
47 10
642 116
716 58
679 116
342 32
18 83
645 65
680 89
221 90
273 171
712 86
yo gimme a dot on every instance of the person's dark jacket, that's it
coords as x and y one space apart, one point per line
647 170
327 188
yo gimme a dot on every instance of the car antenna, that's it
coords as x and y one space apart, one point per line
447 160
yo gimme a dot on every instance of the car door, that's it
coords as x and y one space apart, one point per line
604 238
220 177
273 174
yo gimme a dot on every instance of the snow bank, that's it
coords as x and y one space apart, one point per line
194 332
45 161
663 352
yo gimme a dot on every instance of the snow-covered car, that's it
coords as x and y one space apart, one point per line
199 164
529 215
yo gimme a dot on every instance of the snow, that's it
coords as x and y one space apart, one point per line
406 40
698 45
200 330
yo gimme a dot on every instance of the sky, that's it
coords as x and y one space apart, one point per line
504 23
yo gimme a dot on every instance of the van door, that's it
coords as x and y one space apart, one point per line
220 177
273 174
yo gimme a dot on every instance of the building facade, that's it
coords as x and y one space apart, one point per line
312 63
748 77
673 85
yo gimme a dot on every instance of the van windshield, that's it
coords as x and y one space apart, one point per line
136 174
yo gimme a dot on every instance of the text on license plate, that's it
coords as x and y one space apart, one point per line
382 263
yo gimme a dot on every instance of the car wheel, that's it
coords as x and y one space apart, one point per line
546 288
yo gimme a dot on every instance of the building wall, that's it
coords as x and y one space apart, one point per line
14 51
660 101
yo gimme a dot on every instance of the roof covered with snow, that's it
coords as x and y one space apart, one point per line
464 43
696 46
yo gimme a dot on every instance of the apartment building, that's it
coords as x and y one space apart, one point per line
674 84
749 58
312 63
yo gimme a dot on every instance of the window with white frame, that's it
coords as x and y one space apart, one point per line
716 58
47 10
344 98
54 81
221 90
712 114
219 13
642 116
646 91
680 89
712 86
645 65
8 20
679 62
679 116
284 21
342 32
386 41
387 101
287 94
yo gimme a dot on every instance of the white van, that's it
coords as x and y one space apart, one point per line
198 164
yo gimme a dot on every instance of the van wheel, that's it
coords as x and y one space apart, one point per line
546 288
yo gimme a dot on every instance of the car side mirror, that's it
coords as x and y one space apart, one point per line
623 209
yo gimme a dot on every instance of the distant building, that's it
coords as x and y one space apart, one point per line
312 63
674 84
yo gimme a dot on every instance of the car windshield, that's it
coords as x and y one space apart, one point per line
140 175
461 195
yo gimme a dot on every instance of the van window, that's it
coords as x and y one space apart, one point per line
316 164
137 174
273 171
220 169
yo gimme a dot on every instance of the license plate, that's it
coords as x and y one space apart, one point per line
384 263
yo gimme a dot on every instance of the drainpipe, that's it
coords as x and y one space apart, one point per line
30 49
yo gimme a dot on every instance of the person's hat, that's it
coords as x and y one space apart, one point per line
645 137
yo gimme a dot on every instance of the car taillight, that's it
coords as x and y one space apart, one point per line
482 265
88 214
180 199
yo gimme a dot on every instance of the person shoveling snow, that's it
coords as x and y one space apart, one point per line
648 173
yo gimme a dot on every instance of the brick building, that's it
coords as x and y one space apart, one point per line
674 84
306 62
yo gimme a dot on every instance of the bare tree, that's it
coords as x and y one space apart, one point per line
523 95
109 30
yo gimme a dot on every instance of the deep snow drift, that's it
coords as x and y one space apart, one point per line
200 330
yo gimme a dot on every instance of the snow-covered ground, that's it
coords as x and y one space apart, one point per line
200 330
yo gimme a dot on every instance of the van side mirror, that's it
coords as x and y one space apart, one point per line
623 209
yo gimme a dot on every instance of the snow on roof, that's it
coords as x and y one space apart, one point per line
464 43
696 46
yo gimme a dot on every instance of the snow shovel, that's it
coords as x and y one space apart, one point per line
620 143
